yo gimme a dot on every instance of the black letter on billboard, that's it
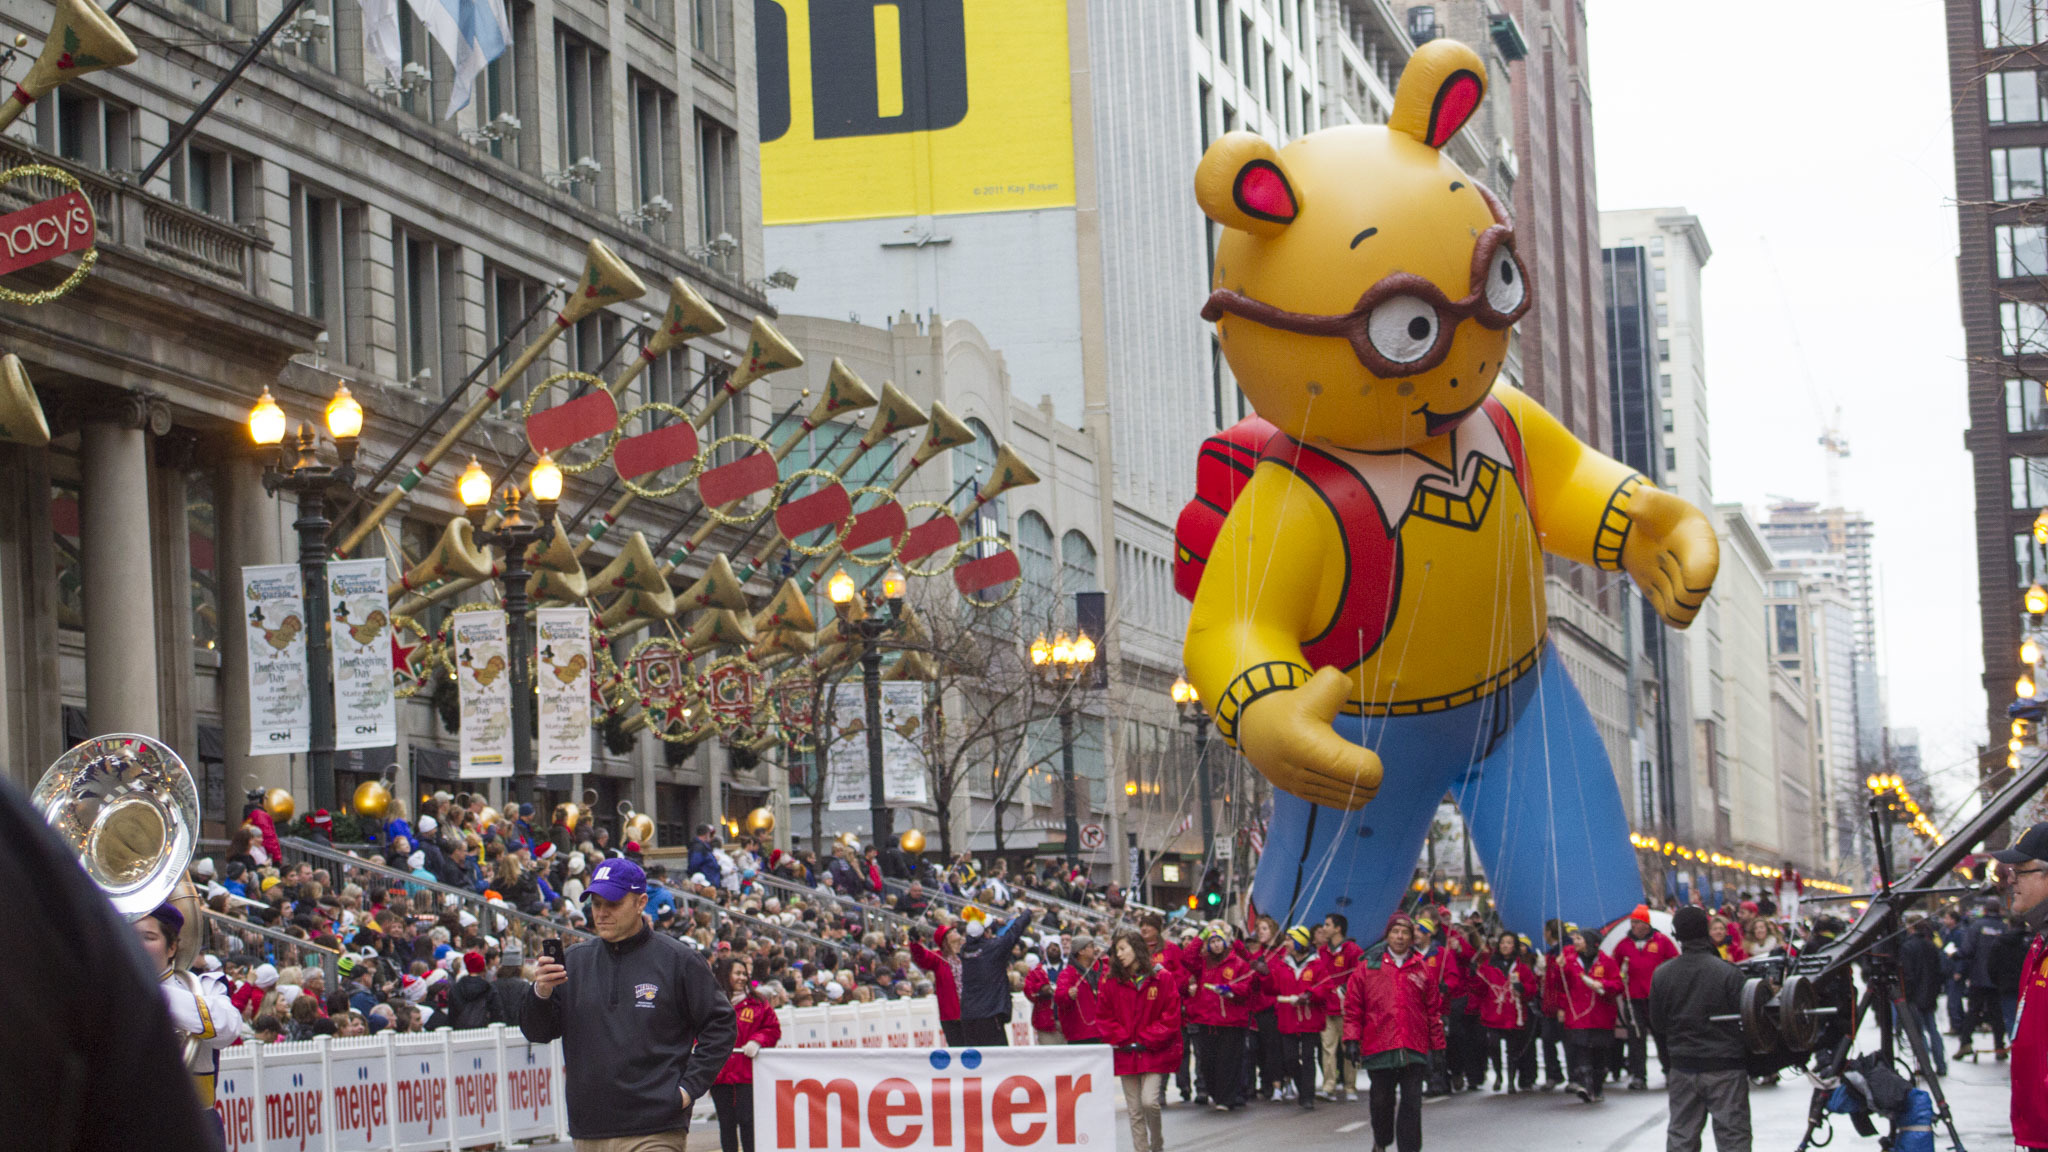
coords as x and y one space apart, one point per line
771 62
843 80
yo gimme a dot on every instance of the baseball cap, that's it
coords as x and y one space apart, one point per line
616 879
2032 845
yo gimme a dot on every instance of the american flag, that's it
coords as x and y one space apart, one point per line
1187 821
1256 837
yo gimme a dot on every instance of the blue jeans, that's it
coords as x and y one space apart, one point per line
1531 775
1930 1033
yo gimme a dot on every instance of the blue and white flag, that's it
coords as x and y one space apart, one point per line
472 32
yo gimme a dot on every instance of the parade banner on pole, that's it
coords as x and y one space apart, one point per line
280 705
365 706
564 671
903 761
484 686
1054 1097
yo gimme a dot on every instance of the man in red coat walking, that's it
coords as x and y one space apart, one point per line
1640 953
2029 1044
1393 1021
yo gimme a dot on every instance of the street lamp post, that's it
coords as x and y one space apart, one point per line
513 536
1189 702
1066 664
871 618
297 470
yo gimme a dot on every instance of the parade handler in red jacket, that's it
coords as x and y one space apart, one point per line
1137 1012
1219 1002
733 1091
1640 954
1393 1020
2029 1044
1302 1004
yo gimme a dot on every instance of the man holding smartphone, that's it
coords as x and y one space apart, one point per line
644 1028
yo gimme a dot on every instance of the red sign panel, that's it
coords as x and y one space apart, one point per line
928 537
827 507
45 231
665 447
754 472
579 419
885 521
987 572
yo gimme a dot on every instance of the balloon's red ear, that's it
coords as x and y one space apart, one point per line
1440 89
1240 184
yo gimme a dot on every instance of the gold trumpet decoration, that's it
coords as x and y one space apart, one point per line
82 39
21 416
557 574
896 413
944 432
455 557
606 280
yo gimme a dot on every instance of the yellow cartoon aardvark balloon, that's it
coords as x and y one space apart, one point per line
1366 555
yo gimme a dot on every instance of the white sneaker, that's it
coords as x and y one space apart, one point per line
1351 1096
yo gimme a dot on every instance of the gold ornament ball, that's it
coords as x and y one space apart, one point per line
760 821
912 841
278 803
372 799
640 830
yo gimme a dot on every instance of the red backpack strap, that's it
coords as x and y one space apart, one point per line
1372 583
1518 456
1222 470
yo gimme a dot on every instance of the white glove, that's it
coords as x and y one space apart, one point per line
752 1048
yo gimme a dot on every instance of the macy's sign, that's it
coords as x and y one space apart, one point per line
970 1100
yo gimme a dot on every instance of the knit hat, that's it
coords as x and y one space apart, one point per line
514 954
265 976
416 860
1302 935
1642 913
1689 923
473 962
1404 918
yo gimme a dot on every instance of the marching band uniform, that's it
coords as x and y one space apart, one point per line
200 1011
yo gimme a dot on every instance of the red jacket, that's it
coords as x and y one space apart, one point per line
1166 960
1313 1000
264 824
1145 1013
1039 985
1337 963
2030 1052
1454 961
1639 959
1500 995
1077 1011
1583 1007
1222 991
1389 1006
1263 960
757 1022
945 981
1553 988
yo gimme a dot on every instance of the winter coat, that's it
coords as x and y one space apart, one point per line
1041 985
1302 1001
1222 990
985 970
1500 993
1974 950
1390 1006
1078 1011
945 984
1684 995
1454 960
1639 960
1263 959
1920 971
704 861
1584 1007
1141 1021
758 1023
470 1003
2029 1051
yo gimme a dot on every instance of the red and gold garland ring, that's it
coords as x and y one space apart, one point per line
408 680
610 442
952 561
895 546
1016 585
661 492
706 682
86 259
774 494
814 550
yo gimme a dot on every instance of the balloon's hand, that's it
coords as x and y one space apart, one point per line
1671 553
1288 737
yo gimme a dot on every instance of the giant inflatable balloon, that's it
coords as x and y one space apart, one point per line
1366 554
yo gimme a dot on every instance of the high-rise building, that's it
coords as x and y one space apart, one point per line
1674 251
1835 543
1995 51
1813 640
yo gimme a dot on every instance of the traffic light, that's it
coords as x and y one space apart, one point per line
1194 902
1212 891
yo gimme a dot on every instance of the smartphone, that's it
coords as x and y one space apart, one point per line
552 949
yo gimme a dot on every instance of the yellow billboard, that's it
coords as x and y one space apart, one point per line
912 107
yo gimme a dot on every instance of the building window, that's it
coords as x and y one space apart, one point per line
1668 420
2024 410
977 462
1663 313
2029 476
1663 350
2016 174
718 193
1284 103
2013 98
1034 551
88 131
508 298
429 308
2023 328
1670 461
1202 92
1785 628
1657 279
1077 564
2022 250
711 28
583 111
656 156
2013 23
667 379
502 82
209 180
591 342
1664 385
1656 246
1201 26
1223 31
2032 558
327 265
1244 54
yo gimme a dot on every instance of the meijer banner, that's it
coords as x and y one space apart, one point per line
966 1099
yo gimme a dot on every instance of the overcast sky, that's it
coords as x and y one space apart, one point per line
1812 140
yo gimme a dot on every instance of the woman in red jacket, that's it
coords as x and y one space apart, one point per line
1138 1013
1075 993
1268 947
1393 1021
1220 1005
732 1092
944 965
1302 1003
1589 988
1503 987
1040 985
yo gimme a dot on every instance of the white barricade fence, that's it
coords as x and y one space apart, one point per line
973 1098
441 1089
